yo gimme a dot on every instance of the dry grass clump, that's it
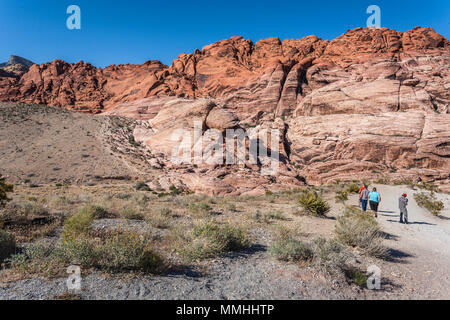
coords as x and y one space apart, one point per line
210 239
429 202
7 245
341 196
79 224
361 230
117 252
289 249
352 188
5 188
311 201
161 218
202 208
329 255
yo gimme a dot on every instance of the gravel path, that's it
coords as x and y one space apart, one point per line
421 248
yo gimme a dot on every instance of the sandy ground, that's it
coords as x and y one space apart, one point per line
419 268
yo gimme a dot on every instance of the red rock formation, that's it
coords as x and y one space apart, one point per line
372 101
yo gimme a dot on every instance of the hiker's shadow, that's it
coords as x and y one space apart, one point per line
389 236
414 222
386 211
255 248
397 256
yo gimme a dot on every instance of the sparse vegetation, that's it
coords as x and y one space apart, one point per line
291 249
117 252
313 203
142 186
341 196
210 239
7 245
363 231
430 202
352 188
4 190
79 224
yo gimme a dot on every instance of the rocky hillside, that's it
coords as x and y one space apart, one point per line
15 67
373 103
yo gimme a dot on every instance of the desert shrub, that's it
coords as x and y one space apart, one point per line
231 207
160 218
352 188
131 214
277 215
4 190
7 245
290 249
125 251
210 240
330 254
78 224
20 211
174 191
429 202
142 186
201 207
427 186
117 252
362 231
99 212
341 196
313 203
356 276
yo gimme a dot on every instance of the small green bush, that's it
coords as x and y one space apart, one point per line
356 276
210 240
4 190
7 245
290 249
313 203
330 254
363 231
352 188
118 252
78 224
342 196
131 214
274 216
429 202
201 207
142 186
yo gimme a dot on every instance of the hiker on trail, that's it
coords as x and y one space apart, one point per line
359 192
364 198
402 203
374 201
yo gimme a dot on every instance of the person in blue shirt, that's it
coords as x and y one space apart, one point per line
374 201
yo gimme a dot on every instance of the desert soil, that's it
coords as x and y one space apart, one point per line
418 268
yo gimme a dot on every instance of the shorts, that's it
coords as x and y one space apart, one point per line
374 206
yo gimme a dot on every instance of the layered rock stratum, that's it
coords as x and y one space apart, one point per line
370 104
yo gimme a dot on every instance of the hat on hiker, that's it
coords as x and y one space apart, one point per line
405 195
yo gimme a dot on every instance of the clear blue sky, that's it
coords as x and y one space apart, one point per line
134 31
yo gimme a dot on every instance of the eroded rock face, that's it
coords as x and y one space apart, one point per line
371 103
348 146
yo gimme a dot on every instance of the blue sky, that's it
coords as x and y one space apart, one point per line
115 32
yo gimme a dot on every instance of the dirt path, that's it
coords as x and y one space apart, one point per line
421 249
